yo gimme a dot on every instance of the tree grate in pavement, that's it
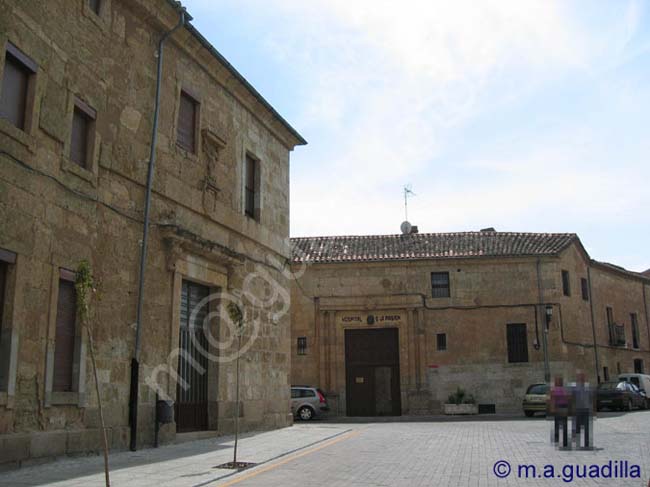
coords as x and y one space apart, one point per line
236 465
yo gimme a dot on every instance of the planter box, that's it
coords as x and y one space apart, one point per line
460 408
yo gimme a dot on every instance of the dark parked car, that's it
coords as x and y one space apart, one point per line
620 395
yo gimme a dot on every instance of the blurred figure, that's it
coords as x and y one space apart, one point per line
559 409
583 400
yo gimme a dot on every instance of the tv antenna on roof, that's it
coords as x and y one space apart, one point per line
407 192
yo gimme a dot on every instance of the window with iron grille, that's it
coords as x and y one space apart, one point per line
584 284
64 340
18 69
638 366
83 121
517 343
7 259
187 120
440 284
566 283
4 357
251 188
302 345
441 341
635 330
95 5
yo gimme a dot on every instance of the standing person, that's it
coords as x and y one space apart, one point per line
583 398
559 408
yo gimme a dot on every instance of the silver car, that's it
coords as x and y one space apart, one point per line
307 402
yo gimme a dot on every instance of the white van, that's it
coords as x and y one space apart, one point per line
642 381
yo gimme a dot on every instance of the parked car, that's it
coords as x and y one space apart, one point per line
307 402
642 381
536 399
619 395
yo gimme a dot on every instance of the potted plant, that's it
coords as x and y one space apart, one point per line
460 403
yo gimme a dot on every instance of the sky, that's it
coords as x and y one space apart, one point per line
525 116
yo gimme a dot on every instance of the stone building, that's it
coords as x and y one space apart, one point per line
393 324
76 116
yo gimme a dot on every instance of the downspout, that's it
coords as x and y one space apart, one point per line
547 365
593 323
645 307
135 362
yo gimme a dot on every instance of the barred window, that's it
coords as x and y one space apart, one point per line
517 343
440 284
302 346
441 341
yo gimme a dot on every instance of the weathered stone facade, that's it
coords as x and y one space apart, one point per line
340 287
54 214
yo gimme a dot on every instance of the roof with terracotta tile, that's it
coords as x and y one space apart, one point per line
369 248
646 273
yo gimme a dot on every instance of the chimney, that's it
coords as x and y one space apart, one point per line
488 229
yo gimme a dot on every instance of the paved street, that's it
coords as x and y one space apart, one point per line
460 453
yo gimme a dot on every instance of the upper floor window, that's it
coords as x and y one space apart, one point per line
302 346
18 70
95 5
440 284
83 121
441 341
251 188
584 284
188 110
517 343
566 283
635 330
64 341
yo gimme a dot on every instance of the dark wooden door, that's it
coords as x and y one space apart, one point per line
192 390
372 372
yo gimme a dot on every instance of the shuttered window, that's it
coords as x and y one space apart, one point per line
440 284
635 330
15 85
83 119
566 283
517 343
66 313
250 187
95 5
186 132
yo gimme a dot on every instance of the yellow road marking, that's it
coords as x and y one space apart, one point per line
254 473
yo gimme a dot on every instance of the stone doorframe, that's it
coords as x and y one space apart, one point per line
330 336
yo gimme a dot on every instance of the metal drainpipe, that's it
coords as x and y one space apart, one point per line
135 362
593 323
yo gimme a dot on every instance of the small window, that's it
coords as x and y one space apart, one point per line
517 343
638 367
83 118
18 70
566 283
441 341
95 6
251 188
584 284
302 345
635 330
187 119
64 341
440 284
606 373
